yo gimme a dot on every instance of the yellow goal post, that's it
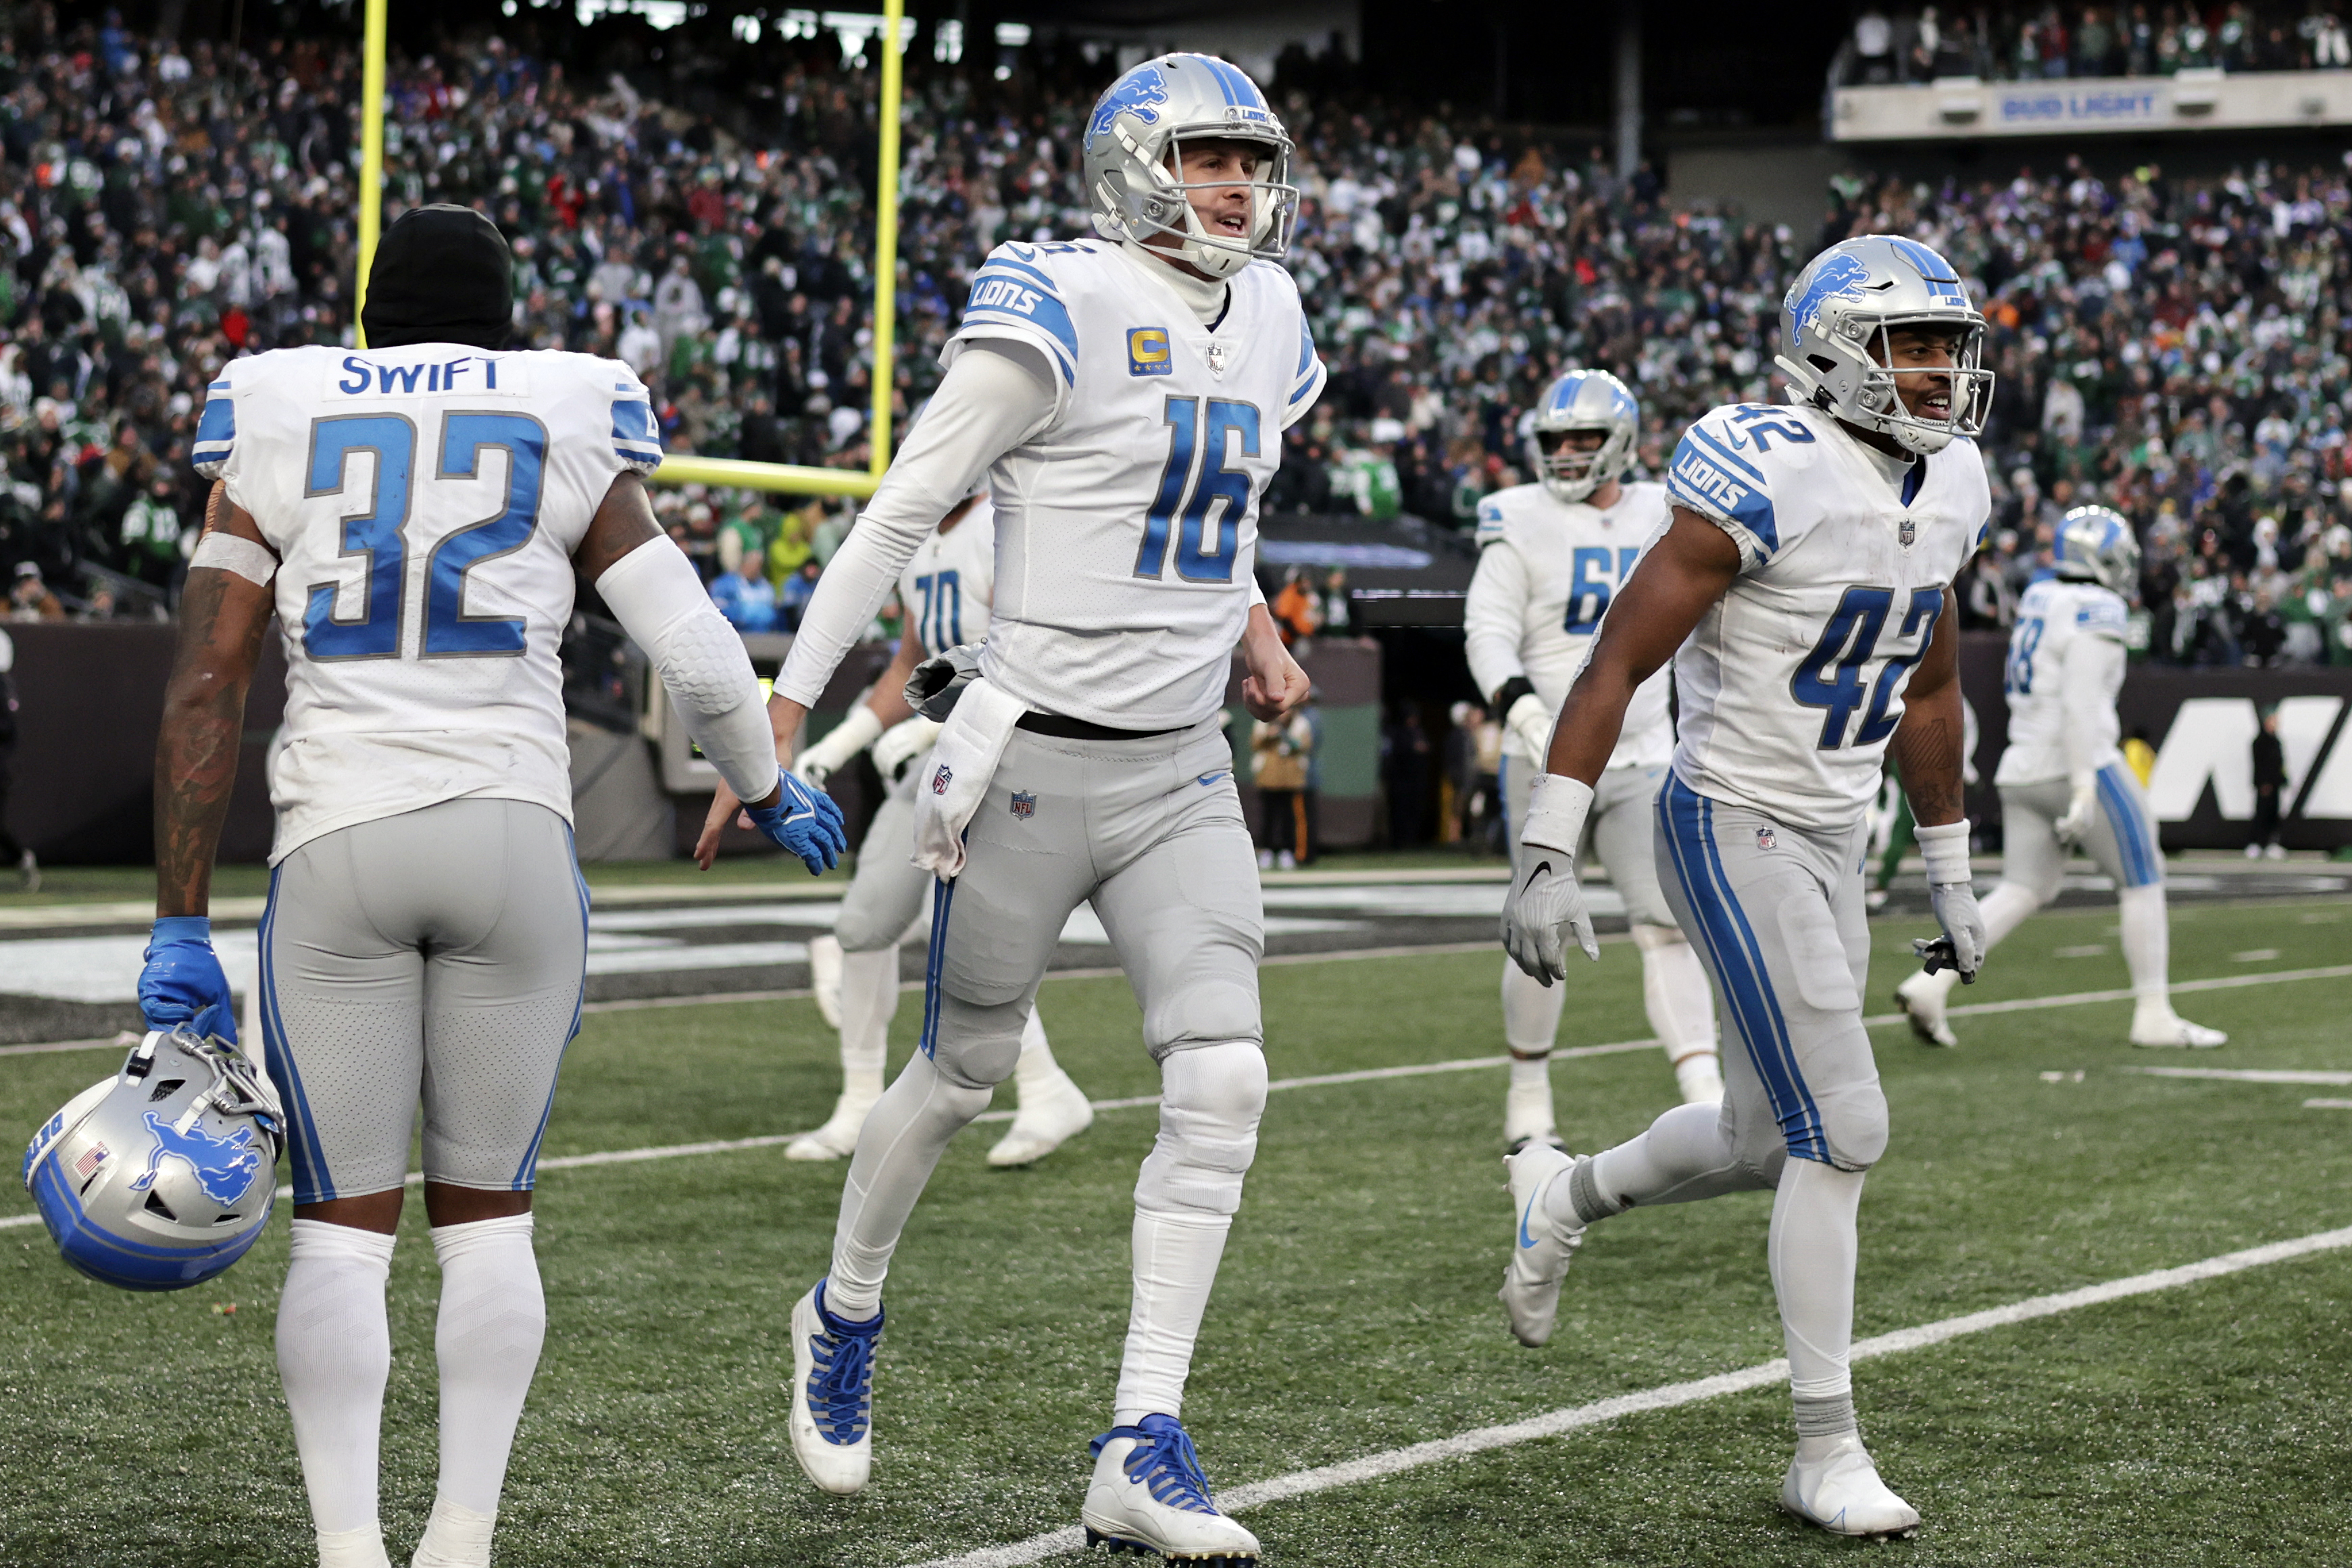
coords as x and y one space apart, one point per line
729 473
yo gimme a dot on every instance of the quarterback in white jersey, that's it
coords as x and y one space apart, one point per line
1550 557
945 591
414 514
1803 593
1126 396
2063 781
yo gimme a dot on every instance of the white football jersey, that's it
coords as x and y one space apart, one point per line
424 503
1126 527
2050 618
1792 682
947 587
1547 571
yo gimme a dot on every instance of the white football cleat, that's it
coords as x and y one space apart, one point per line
1148 1496
1699 1076
1922 1001
455 1536
1527 1116
1840 1492
360 1548
825 977
1048 1116
2159 1027
833 1395
1540 1249
838 1139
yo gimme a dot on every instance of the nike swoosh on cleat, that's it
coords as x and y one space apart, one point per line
1526 1239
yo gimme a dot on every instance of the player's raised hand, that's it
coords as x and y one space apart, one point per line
1546 906
803 820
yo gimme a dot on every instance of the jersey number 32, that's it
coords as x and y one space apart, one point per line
380 534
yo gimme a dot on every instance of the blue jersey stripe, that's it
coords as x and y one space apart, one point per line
2143 864
1726 453
943 896
1042 279
313 1183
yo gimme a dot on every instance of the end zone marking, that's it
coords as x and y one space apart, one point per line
1375 1467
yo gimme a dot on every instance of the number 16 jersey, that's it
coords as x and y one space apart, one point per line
423 504
1792 684
1127 523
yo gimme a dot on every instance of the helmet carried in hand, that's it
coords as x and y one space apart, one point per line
161 1177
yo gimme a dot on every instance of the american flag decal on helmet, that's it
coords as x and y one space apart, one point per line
92 1157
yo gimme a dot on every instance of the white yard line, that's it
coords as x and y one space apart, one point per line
1375 1467
2247 1074
2328 1104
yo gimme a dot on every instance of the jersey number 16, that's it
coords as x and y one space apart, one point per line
1205 551
380 534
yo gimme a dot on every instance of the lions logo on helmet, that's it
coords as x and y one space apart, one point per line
201 1129
1134 160
2096 544
1583 400
1836 323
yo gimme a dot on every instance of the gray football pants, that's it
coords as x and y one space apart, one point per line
887 895
2122 838
435 956
1619 829
1150 833
1778 915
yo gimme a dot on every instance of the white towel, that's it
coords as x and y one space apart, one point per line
956 777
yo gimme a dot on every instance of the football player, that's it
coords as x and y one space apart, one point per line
946 590
2063 781
1550 556
413 513
1803 593
1127 397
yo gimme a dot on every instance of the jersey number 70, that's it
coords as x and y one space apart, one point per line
1205 552
380 534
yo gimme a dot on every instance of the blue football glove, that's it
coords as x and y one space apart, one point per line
183 981
803 820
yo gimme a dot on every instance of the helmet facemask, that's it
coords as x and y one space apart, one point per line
1853 377
1167 207
1572 472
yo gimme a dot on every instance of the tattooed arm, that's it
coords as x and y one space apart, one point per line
222 616
1927 744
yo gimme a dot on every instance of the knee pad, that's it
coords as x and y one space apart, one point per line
975 1046
1853 1126
1212 1098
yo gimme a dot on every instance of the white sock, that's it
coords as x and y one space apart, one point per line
2148 944
361 1548
1814 1243
455 1536
1674 992
1684 1155
334 1353
1211 1097
1530 1011
493 1319
869 995
1530 1070
1036 1068
2004 909
905 1134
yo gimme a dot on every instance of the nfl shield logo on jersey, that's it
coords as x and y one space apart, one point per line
1764 838
1025 804
1907 533
942 779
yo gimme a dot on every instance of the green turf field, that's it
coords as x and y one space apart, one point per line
2204 1425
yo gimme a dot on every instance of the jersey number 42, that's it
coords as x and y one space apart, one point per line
380 534
1832 676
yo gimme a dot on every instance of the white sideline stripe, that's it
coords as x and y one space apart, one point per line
770 1140
2328 1104
1374 1467
2247 1074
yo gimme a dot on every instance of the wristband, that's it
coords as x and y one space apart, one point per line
1507 695
181 928
1946 849
1556 807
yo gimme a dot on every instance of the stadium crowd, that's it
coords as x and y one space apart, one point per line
2030 42
2172 347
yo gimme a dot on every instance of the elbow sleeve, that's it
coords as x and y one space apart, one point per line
701 659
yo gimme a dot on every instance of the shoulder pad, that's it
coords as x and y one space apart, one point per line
1718 471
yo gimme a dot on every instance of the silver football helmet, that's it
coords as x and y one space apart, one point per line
1134 164
1834 327
1583 400
161 1177
2096 544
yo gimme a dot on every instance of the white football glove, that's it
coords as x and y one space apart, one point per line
1962 945
904 744
1546 906
839 748
2081 811
1530 722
